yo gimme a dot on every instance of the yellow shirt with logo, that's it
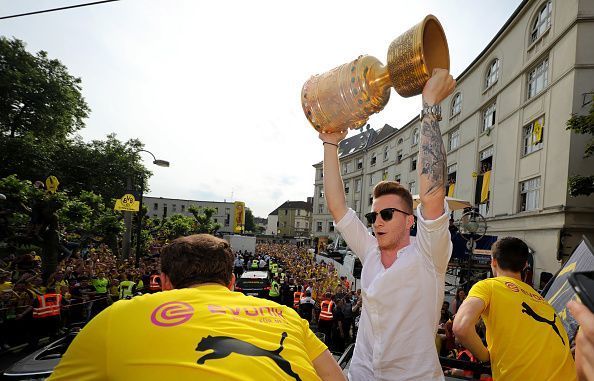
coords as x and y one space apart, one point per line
202 333
525 338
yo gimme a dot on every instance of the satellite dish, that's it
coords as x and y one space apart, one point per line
472 226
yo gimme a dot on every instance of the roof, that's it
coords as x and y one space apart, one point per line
383 133
296 205
274 212
356 143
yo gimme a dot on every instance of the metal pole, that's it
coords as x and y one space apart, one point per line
469 275
127 243
139 227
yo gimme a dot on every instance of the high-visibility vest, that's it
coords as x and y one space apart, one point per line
326 310
49 305
153 284
297 295
466 373
125 288
274 268
255 263
100 285
274 290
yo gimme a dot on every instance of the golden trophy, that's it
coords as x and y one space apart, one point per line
346 96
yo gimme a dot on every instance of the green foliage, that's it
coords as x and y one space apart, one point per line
179 225
582 124
37 94
203 218
250 225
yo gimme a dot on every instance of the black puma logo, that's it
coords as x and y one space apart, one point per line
223 346
530 312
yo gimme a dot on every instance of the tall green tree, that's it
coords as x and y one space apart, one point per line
583 124
37 94
250 225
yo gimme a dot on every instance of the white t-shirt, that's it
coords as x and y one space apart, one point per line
401 304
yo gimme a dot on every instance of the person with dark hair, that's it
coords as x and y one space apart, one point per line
526 339
460 296
197 329
402 279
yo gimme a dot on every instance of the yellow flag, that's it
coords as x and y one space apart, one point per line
485 188
537 133
451 190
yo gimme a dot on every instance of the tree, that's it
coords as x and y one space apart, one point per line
582 124
203 217
179 225
37 94
250 225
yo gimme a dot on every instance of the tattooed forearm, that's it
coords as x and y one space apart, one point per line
432 157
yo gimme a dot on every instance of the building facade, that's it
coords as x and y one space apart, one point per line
293 219
225 212
504 129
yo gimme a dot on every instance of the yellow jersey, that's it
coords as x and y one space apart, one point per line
202 333
525 338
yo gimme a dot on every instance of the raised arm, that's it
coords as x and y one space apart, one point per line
432 153
333 185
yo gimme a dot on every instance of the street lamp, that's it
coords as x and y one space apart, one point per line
160 163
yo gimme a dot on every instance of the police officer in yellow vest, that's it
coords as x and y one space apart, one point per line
274 293
126 288
255 264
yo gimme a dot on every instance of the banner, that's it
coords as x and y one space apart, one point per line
451 190
560 291
485 186
127 203
51 184
239 221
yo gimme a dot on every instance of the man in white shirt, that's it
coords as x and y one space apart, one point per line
402 280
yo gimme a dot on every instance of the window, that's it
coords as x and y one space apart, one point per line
174 208
347 187
451 182
397 178
358 185
456 104
298 212
297 224
183 208
412 187
386 153
357 205
492 73
415 136
398 156
321 208
371 179
532 136
320 173
400 141
413 163
360 163
319 225
227 216
529 194
370 199
284 224
155 206
385 175
321 192
216 220
373 160
454 139
330 226
538 78
286 212
489 117
345 168
541 22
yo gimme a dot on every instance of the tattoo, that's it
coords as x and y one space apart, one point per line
432 155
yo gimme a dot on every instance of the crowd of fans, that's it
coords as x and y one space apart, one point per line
81 287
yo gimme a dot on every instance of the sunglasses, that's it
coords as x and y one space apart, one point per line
385 213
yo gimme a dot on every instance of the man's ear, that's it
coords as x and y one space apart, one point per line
410 221
231 285
166 282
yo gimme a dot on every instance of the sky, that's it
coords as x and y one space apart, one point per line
214 86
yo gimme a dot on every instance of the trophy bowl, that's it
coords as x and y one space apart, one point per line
347 95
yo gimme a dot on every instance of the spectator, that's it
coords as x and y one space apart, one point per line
193 321
460 296
516 318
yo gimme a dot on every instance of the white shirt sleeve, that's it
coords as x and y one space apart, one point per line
355 234
433 239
